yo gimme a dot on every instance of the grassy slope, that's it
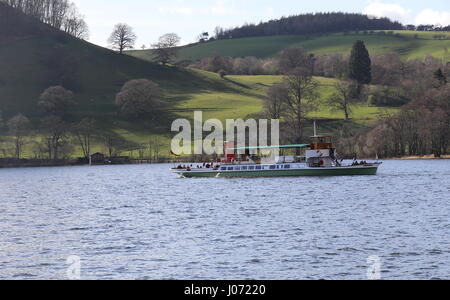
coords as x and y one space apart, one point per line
407 46
99 75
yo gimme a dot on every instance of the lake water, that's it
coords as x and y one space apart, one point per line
142 222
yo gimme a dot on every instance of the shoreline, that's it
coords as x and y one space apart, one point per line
147 162
424 157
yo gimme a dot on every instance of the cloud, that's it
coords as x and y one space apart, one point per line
398 13
433 17
393 11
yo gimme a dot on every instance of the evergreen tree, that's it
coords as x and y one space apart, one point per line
440 76
360 67
305 24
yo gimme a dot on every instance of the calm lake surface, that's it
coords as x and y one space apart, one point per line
142 222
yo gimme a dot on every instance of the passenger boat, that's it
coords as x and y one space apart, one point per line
320 159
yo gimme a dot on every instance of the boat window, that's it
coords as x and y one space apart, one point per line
287 166
258 168
244 168
223 169
273 167
230 169
237 168
251 168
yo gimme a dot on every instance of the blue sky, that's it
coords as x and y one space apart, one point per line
152 18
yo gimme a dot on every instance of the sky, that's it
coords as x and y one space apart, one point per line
188 18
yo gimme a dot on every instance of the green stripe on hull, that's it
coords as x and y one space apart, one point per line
286 173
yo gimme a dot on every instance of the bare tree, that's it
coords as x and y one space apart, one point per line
114 143
75 25
19 127
165 50
61 14
122 38
343 98
218 32
275 101
139 97
55 131
331 65
56 100
154 145
302 88
293 58
83 132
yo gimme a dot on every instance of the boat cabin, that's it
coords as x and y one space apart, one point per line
321 153
321 142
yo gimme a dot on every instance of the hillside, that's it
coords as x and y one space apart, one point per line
405 43
33 60
34 56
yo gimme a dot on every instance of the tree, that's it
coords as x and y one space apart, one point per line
302 89
155 145
83 132
203 37
122 38
222 74
55 131
293 58
74 23
307 24
343 98
275 101
61 14
114 143
440 77
56 100
331 65
387 69
19 127
218 32
165 50
360 65
139 97
217 63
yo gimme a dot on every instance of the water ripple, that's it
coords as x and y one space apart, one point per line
141 222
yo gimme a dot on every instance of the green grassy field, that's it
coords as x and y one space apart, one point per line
249 102
406 45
